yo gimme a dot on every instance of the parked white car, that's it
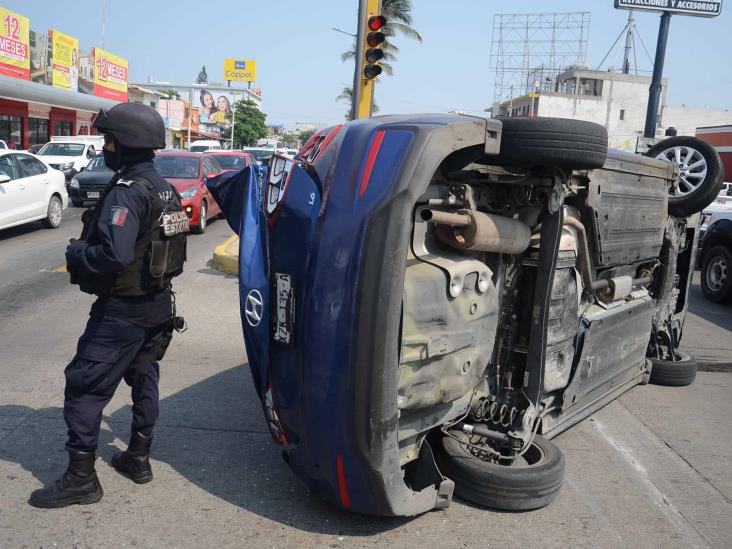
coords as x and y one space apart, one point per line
71 157
30 190
205 145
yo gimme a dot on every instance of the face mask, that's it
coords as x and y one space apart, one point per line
111 159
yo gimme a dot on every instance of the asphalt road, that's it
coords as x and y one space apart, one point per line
652 469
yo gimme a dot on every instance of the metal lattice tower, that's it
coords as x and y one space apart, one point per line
529 50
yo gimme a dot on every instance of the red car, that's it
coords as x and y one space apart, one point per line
187 172
231 161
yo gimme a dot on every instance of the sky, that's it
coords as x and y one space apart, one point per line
298 59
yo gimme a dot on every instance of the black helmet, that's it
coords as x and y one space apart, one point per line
133 125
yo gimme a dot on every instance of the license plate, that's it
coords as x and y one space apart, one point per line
285 305
92 194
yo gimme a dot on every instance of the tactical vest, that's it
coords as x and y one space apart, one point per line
159 253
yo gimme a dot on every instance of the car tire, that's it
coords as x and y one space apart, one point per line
697 187
677 373
202 219
574 144
716 274
77 203
54 213
531 485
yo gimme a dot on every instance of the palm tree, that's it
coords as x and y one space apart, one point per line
398 21
347 96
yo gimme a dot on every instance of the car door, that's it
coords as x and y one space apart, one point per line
12 192
34 175
210 167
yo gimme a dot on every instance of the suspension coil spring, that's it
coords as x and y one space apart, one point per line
500 414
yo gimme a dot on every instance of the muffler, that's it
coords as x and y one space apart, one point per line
478 231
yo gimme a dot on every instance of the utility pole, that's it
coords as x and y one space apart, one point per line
360 31
104 20
233 122
654 91
190 115
628 42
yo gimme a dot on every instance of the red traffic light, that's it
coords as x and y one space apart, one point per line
376 22
371 71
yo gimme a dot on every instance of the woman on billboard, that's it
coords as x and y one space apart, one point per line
207 107
223 111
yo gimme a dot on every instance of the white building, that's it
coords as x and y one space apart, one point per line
138 94
617 101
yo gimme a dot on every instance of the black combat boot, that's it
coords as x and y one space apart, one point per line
79 484
134 463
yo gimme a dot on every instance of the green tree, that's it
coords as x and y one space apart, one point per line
305 135
170 94
249 124
202 76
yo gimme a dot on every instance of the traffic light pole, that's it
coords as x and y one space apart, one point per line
360 33
654 91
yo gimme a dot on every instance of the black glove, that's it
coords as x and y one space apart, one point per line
74 252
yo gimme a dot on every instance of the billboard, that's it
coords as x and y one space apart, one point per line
240 70
110 75
699 8
14 45
215 109
64 60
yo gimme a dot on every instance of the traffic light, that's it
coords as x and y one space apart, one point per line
373 52
370 41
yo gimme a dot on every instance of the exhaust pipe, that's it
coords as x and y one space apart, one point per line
478 231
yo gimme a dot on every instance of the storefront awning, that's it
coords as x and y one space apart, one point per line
23 90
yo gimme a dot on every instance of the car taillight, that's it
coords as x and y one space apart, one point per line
278 178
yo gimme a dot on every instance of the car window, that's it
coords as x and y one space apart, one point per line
62 149
210 166
177 167
7 166
97 164
30 166
231 162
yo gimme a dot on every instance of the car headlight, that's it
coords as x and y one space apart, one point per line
189 193
66 166
74 183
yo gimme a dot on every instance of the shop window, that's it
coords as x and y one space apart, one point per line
62 127
38 131
10 130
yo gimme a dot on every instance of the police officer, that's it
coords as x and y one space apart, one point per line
131 246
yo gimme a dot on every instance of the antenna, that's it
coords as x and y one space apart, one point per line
630 31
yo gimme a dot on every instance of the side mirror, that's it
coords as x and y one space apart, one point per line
4 178
210 175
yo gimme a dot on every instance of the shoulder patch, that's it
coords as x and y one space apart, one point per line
125 182
118 216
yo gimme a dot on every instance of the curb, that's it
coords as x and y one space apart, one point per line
226 256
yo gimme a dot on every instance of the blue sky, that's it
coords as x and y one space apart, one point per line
298 55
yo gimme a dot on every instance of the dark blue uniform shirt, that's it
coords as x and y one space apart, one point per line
110 246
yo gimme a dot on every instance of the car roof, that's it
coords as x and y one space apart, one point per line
225 153
188 154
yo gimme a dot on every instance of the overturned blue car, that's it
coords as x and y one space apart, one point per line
427 300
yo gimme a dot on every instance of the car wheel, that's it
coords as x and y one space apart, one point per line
530 482
54 213
700 173
716 274
674 373
202 219
77 203
573 144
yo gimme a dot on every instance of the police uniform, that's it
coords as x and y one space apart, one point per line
132 245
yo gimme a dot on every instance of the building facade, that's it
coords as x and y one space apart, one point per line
615 100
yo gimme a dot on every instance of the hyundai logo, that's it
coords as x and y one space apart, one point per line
253 308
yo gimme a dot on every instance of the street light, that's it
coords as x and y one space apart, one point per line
343 32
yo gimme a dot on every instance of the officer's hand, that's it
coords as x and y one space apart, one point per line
74 251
